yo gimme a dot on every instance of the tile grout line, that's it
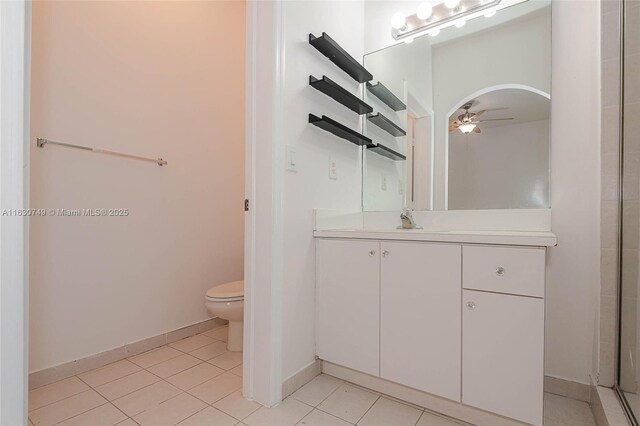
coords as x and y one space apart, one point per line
369 409
122 396
79 414
325 398
66 397
199 411
110 381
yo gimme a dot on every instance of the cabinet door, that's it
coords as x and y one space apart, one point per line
420 316
503 350
348 303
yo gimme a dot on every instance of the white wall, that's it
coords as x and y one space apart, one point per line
502 167
573 275
148 78
310 187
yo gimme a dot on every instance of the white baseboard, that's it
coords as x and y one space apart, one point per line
301 378
79 366
567 388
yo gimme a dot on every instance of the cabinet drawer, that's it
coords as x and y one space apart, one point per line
511 270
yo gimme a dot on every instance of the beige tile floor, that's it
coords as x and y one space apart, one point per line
197 382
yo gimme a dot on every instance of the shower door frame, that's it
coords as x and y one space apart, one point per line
631 416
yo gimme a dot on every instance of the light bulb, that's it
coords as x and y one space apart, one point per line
408 40
424 11
452 4
489 13
398 21
434 33
460 23
467 128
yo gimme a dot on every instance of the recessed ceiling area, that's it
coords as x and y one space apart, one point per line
522 105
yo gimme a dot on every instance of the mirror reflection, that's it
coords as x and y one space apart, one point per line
498 154
472 130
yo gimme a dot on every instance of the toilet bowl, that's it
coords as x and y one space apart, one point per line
226 301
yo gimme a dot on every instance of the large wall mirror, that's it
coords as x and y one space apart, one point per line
461 117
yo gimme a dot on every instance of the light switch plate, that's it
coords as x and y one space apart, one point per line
292 165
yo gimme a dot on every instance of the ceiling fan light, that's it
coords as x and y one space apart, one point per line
452 4
467 128
424 11
398 21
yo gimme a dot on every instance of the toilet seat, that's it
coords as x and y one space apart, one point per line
228 292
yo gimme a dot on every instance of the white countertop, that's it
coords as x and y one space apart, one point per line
517 238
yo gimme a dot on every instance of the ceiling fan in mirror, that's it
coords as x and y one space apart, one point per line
469 121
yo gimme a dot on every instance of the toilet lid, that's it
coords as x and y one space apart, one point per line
227 291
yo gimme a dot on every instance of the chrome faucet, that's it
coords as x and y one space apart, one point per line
407 220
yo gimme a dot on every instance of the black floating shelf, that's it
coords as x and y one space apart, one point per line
342 131
332 50
386 152
340 94
386 96
385 124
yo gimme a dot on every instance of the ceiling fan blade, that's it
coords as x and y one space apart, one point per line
479 113
496 119
477 130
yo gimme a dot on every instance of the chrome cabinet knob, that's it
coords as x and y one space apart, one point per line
500 271
471 305
385 253
372 253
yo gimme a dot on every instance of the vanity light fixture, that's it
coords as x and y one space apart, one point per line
443 15
467 128
460 23
408 40
452 4
434 33
425 10
399 21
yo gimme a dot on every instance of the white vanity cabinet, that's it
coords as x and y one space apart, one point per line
503 330
420 316
503 357
461 321
392 310
348 304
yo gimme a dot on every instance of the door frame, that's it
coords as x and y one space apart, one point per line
15 53
264 183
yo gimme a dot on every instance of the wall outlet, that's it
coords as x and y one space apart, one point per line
292 165
384 183
333 169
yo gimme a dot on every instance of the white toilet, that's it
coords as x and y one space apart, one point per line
226 301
